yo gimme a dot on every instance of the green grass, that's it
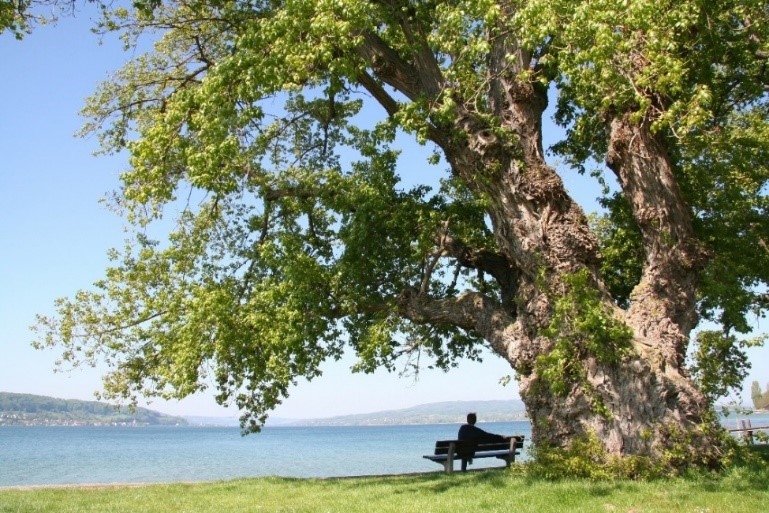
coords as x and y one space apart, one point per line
739 491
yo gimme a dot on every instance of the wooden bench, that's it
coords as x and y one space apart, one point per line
446 451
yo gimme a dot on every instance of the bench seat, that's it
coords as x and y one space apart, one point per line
446 451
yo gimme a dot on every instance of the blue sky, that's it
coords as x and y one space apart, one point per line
54 237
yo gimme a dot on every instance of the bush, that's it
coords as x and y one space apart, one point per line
586 459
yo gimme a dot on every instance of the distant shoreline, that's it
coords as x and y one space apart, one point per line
39 410
34 410
192 425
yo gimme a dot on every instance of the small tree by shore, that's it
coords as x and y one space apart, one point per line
760 399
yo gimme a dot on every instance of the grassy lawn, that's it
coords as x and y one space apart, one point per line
739 491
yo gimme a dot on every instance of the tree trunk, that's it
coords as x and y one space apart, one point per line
649 413
640 404
634 402
647 396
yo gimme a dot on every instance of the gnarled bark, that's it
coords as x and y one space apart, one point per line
543 236
662 305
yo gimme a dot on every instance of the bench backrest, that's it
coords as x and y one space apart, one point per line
469 447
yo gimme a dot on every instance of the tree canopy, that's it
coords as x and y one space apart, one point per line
267 132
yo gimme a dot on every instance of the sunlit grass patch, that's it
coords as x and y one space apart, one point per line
738 490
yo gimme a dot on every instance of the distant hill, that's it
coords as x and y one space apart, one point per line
38 410
449 412
433 413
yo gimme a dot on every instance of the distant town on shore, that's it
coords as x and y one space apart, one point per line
38 410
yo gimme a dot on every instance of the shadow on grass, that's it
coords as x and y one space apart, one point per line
750 475
402 484
760 451
747 477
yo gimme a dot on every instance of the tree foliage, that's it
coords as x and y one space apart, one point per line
19 17
696 71
719 363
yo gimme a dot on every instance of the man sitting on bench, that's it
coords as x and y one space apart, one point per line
470 432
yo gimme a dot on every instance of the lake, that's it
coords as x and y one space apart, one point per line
79 455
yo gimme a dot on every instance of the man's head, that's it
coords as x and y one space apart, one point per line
472 418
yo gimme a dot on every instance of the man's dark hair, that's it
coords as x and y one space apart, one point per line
472 418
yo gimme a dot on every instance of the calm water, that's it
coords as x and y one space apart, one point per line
71 455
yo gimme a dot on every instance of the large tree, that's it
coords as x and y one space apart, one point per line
268 132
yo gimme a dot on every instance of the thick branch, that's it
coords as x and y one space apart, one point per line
390 67
378 92
471 311
490 262
506 60
663 304
424 60
430 73
648 180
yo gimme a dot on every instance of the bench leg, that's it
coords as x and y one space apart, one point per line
511 457
448 466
